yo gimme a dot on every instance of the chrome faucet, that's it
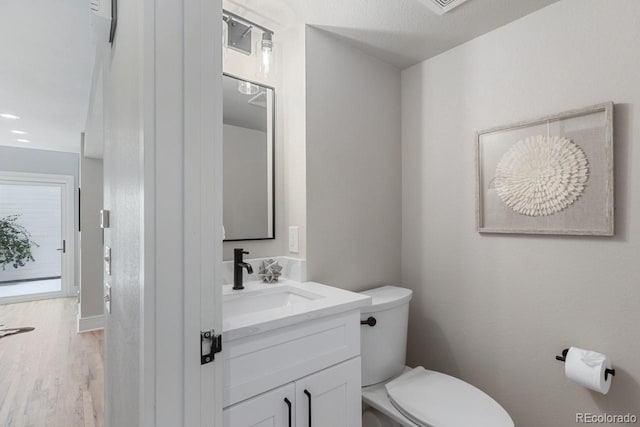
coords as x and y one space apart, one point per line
238 265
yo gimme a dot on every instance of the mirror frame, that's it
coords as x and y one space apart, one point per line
273 158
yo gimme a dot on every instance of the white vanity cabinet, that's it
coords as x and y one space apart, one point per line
329 398
314 364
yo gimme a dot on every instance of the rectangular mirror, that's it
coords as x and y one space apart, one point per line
248 160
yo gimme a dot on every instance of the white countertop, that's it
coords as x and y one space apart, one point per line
327 301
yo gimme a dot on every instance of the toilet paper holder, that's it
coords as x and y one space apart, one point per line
607 372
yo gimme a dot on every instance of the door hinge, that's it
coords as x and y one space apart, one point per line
210 344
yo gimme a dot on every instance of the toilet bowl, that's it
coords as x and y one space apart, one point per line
396 395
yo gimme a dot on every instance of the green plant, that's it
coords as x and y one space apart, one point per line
15 243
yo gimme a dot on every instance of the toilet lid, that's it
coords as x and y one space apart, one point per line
432 399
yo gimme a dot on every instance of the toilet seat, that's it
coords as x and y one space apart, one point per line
433 399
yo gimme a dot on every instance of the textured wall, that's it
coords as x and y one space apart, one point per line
123 198
495 309
353 165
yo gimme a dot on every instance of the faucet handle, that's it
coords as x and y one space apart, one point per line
238 252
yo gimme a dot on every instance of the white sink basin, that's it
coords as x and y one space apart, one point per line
265 299
262 307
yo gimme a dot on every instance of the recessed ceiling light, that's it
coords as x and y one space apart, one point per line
22 140
8 116
19 132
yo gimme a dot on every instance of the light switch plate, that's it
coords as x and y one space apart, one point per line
104 218
294 239
107 260
107 298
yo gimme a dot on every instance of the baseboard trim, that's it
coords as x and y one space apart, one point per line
92 323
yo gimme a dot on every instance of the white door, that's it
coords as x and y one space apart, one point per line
198 120
271 409
330 398
40 209
163 173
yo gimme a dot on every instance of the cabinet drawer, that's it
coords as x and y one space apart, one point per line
256 364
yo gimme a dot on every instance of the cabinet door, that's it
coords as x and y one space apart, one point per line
266 410
330 398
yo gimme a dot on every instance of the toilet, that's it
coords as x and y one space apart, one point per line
395 395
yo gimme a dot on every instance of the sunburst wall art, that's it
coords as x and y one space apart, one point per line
541 175
552 175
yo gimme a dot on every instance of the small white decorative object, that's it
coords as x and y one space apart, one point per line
270 271
541 175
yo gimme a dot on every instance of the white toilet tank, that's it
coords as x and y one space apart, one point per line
384 346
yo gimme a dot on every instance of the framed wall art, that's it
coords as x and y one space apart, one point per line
552 175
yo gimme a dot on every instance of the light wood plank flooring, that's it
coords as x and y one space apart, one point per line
51 376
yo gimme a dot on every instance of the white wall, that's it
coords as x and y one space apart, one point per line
91 253
353 165
293 128
14 159
495 309
93 142
123 197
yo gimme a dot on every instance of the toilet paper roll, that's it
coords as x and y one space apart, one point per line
587 368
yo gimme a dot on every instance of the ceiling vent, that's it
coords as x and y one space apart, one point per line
442 6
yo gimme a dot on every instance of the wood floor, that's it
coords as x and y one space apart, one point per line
51 376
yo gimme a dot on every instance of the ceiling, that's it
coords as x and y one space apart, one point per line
400 32
47 52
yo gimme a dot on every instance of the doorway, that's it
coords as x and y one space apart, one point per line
37 223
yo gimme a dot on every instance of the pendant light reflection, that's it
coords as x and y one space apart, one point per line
247 88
